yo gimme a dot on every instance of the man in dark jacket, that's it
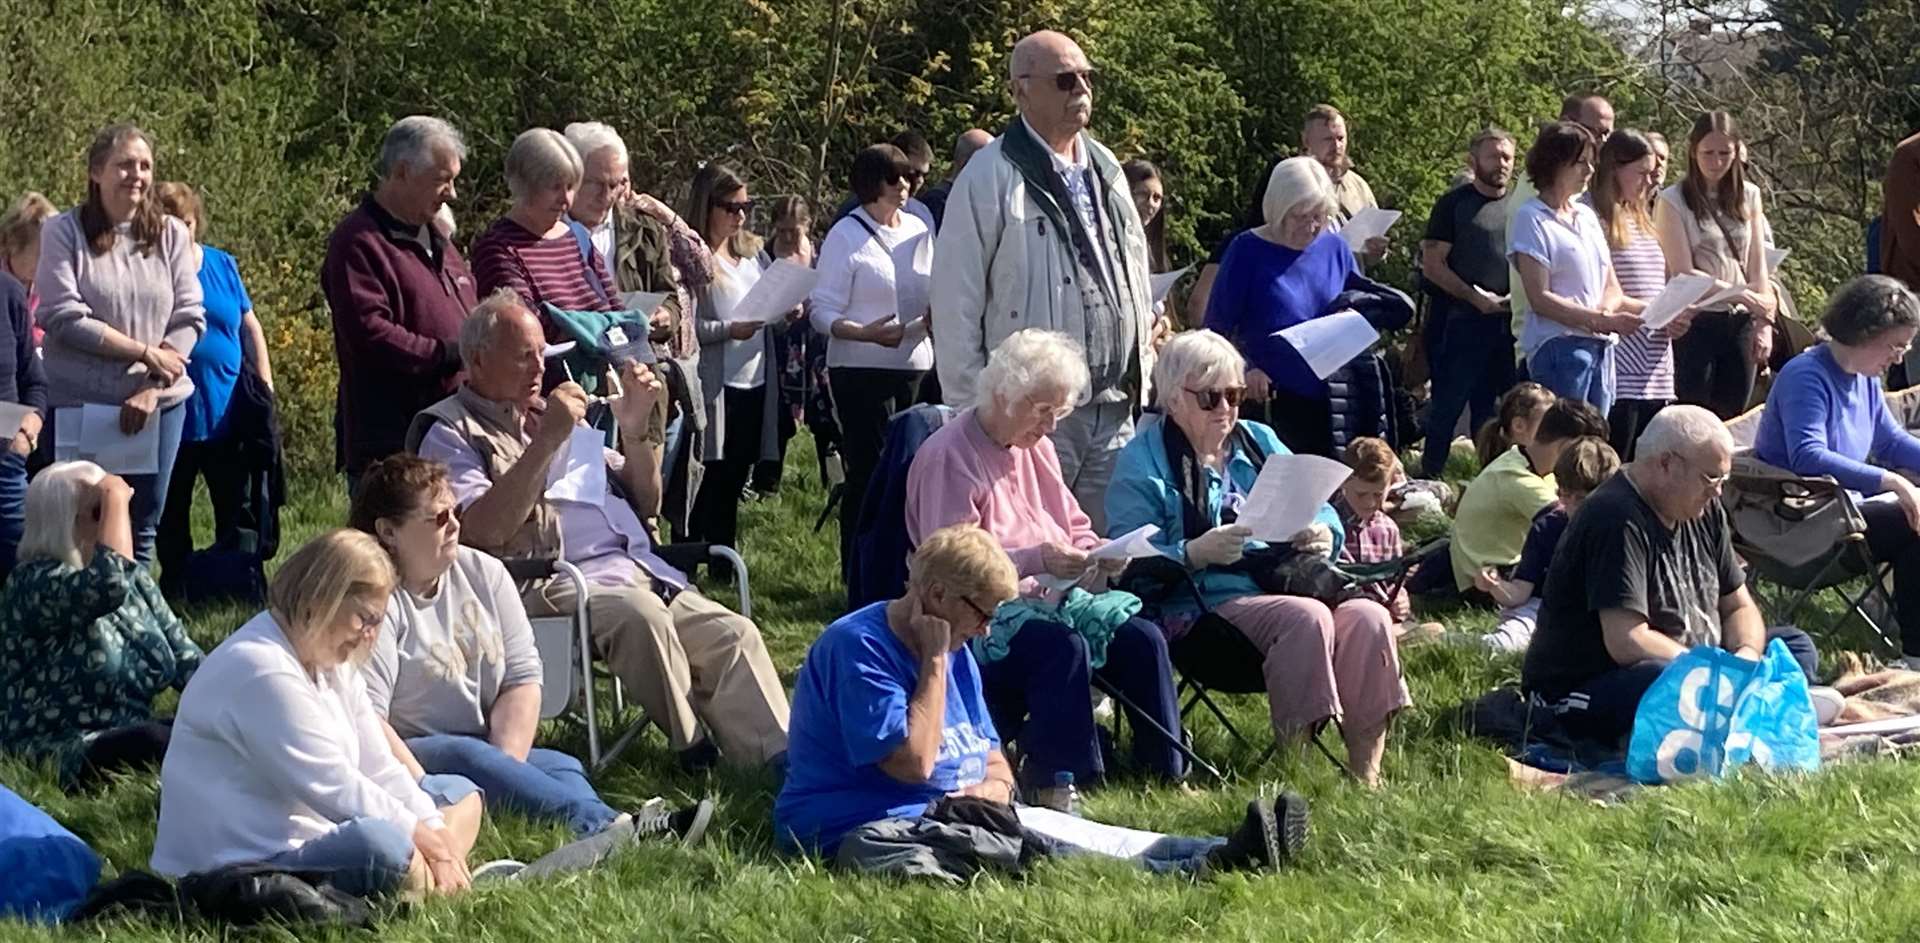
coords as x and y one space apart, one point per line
398 291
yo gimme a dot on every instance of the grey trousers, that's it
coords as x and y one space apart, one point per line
1088 442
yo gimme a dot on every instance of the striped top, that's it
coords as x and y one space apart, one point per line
539 270
1644 359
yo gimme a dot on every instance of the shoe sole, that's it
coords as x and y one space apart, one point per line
697 829
1291 809
1269 834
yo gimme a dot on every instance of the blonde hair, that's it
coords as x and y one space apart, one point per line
1294 182
53 501
20 227
539 157
967 560
307 594
181 200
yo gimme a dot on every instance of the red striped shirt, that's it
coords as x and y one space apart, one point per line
539 270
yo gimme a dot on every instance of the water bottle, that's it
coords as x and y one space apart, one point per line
1064 798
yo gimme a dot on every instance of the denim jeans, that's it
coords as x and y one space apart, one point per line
1577 368
13 507
367 856
149 491
549 785
1167 854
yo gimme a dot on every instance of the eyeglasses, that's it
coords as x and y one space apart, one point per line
1058 412
1899 350
1209 400
611 186
985 616
440 520
741 208
1067 81
365 622
1711 481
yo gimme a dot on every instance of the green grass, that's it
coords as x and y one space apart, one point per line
1447 851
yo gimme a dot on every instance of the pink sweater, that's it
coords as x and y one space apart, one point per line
960 476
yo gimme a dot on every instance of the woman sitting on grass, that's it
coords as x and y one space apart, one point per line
895 763
279 759
88 640
454 670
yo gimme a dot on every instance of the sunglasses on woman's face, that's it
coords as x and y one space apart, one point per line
1209 400
1068 81
741 208
440 520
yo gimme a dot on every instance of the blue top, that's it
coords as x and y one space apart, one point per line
1536 555
215 364
1263 286
849 713
21 378
1822 420
1144 491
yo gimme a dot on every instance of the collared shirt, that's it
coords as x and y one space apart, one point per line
604 239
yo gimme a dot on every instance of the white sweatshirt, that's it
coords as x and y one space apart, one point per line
869 272
265 758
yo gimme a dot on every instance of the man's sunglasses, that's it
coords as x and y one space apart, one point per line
1068 81
742 208
1210 399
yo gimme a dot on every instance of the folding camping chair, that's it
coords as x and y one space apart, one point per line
565 643
1806 536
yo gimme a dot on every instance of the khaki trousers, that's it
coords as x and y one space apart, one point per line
688 662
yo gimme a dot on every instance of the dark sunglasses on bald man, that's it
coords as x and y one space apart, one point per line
1068 81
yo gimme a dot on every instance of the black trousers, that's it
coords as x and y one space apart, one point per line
1304 423
135 746
1627 419
219 461
1892 540
1710 364
716 511
864 399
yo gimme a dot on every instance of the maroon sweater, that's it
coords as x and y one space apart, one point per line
397 309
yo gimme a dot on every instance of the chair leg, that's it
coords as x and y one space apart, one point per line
1179 744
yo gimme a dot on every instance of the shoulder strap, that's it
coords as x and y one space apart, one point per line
855 216
585 240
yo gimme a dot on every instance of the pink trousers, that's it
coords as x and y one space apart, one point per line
1320 663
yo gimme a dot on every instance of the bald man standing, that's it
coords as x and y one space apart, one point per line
965 146
1040 231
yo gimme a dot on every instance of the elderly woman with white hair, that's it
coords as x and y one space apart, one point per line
533 249
88 640
993 465
1187 471
1825 415
1292 269
278 758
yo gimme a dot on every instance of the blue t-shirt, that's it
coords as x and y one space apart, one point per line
849 713
214 366
1536 555
1263 286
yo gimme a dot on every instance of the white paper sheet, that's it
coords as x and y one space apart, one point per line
1328 343
1131 545
1104 839
916 330
913 272
782 287
1889 725
1715 297
92 433
1288 493
1163 283
1681 291
558 350
579 473
1366 224
1775 257
11 416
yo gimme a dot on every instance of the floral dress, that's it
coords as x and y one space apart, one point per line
83 651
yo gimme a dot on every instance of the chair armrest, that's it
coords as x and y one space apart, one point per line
684 556
530 569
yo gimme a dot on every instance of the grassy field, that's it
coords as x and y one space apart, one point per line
1448 850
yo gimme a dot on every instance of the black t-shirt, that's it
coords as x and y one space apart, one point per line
1475 225
1617 554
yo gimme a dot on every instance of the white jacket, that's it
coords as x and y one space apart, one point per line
999 268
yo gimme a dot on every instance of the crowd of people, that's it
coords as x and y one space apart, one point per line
586 390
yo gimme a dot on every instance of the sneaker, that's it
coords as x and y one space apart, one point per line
688 824
504 869
1827 704
1270 837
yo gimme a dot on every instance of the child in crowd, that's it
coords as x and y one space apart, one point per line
1372 534
1581 468
1520 412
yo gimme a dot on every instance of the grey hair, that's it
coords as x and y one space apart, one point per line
411 141
1680 430
476 332
538 157
590 137
1295 182
1196 357
1032 360
53 501
1863 308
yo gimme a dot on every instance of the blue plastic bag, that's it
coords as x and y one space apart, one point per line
1711 711
45 870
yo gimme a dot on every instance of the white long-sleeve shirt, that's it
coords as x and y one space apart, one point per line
265 758
865 277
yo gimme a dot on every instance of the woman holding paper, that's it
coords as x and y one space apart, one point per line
993 465
1711 223
120 301
1575 308
743 407
874 265
1288 271
1188 471
1826 415
1623 183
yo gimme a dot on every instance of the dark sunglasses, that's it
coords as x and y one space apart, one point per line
440 520
1210 399
743 207
1068 81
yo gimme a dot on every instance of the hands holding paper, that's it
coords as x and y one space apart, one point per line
640 391
566 406
1219 546
741 330
1315 539
1063 562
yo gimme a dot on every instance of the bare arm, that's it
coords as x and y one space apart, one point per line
1202 290
913 761
514 719
493 518
1742 629
1630 640
401 752
1433 265
998 785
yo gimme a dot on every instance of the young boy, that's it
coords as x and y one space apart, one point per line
1372 535
1585 464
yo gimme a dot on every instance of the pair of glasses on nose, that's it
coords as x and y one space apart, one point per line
915 177
1068 81
985 616
1211 399
741 208
440 520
